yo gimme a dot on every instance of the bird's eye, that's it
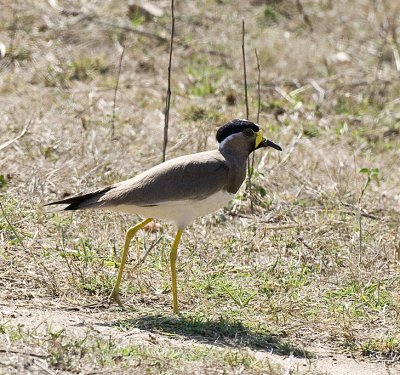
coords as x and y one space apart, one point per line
248 132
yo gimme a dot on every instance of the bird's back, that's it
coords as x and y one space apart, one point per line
191 177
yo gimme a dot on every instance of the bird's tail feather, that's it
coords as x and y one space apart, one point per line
77 202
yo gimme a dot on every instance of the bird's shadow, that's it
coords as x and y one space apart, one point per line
220 332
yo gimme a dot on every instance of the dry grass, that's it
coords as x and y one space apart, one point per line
291 277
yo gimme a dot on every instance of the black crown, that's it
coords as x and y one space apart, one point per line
235 126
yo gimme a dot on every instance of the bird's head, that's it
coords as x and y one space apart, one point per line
243 135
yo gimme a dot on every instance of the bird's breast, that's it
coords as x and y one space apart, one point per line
179 212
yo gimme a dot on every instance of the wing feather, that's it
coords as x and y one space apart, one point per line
189 177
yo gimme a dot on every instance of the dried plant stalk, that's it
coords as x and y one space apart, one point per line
168 97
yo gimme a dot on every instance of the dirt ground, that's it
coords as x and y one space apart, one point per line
83 322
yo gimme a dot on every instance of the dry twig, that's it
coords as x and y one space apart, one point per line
116 90
295 140
143 258
244 72
12 227
249 166
306 18
146 34
8 143
258 86
251 170
168 97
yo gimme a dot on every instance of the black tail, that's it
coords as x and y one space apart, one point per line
82 201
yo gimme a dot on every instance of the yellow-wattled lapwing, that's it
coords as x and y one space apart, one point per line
179 190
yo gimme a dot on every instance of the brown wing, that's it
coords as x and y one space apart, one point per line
189 177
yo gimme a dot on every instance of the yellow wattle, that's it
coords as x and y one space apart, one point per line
259 137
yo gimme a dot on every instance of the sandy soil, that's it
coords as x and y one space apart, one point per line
39 317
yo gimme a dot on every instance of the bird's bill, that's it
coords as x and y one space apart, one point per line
267 143
261 141
264 142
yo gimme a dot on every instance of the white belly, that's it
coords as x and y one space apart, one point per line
181 213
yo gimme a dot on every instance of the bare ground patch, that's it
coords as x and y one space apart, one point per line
85 324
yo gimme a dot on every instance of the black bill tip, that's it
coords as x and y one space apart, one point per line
268 143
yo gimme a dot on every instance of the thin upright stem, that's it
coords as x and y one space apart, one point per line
116 90
168 96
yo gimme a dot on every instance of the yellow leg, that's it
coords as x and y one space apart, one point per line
172 259
128 238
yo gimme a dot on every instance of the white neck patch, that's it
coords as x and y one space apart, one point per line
222 144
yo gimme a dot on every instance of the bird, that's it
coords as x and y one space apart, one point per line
178 190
